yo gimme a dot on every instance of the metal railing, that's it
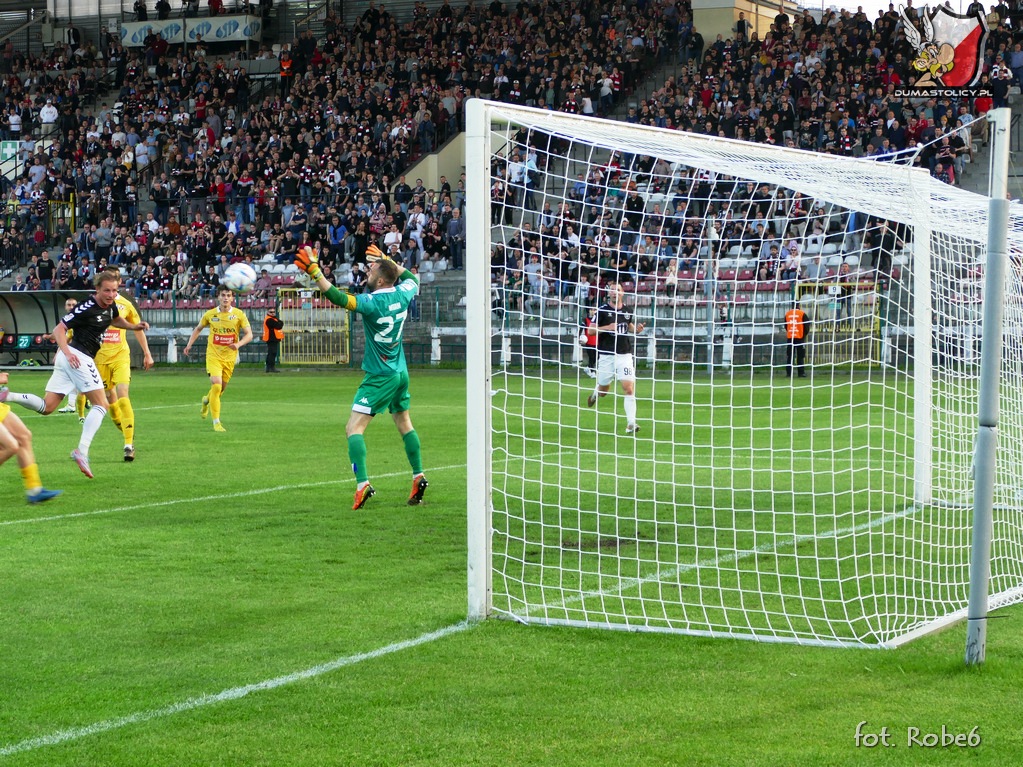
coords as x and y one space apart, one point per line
14 27
317 14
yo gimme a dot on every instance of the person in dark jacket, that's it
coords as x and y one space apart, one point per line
273 333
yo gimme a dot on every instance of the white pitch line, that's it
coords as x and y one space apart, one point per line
234 693
203 499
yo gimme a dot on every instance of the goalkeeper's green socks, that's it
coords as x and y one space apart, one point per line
357 455
214 396
411 440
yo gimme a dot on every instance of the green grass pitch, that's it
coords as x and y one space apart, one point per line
217 602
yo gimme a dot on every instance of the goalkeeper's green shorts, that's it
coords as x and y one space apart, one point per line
378 393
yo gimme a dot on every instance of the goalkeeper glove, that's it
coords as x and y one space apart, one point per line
373 253
307 260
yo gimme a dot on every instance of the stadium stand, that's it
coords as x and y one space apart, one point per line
167 156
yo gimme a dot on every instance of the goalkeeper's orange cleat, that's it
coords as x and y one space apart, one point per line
419 485
362 495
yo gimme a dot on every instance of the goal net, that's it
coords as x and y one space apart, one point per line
813 489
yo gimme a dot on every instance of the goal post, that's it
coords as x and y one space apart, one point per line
812 486
478 339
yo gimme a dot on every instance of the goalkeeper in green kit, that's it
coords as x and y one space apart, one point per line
385 385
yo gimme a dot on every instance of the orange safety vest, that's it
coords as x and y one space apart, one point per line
286 65
277 334
795 324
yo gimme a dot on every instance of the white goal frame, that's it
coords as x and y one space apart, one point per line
772 164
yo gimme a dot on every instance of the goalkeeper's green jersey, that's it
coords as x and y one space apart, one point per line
384 313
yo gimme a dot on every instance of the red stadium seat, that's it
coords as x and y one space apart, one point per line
727 274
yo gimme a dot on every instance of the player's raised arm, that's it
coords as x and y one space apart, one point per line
121 322
373 253
308 260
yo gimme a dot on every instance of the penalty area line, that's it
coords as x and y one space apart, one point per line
234 693
205 498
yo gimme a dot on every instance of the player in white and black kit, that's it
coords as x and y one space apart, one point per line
74 367
614 329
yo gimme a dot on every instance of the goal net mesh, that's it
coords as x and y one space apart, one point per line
823 500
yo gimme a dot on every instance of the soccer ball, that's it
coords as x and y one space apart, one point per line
239 277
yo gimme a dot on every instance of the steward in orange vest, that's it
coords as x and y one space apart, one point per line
796 330
287 72
273 334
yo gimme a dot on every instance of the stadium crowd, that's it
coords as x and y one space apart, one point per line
231 171
826 84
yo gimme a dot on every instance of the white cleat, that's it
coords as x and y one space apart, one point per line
83 462
632 428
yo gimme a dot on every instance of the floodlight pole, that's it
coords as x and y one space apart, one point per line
985 455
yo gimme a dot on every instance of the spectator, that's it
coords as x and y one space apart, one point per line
264 286
455 238
180 283
793 262
46 271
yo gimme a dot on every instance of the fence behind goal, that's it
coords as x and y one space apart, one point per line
753 502
316 331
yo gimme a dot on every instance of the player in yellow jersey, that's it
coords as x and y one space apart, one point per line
16 439
229 332
113 360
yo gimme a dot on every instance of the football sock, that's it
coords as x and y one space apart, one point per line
30 401
357 455
127 420
214 396
115 413
411 440
93 420
30 477
630 408
80 401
